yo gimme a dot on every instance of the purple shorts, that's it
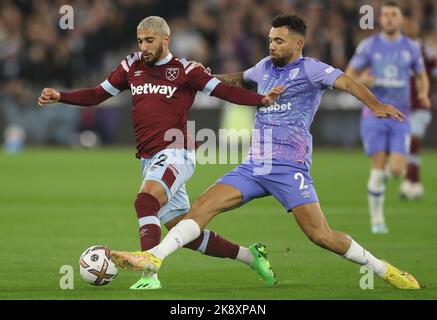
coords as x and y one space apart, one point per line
289 182
385 135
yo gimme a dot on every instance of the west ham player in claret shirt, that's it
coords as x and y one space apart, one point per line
288 143
163 89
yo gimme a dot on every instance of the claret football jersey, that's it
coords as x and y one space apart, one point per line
162 96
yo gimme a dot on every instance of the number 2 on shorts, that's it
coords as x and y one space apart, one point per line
161 160
300 176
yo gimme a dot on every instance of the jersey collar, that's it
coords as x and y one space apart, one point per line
385 40
165 60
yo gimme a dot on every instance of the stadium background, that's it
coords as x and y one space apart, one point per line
228 36
57 201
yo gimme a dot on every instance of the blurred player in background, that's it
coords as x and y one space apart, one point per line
385 62
412 188
163 89
289 153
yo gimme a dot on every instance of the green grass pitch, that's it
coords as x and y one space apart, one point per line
56 203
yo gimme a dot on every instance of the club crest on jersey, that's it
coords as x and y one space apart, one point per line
172 73
293 73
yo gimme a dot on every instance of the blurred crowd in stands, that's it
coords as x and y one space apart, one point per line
227 35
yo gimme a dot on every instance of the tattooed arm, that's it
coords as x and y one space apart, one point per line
235 79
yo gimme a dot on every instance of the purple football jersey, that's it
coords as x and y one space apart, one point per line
391 63
282 130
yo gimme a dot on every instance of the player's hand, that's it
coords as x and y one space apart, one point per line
425 101
195 64
48 95
273 95
388 111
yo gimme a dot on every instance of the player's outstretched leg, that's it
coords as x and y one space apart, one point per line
208 242
313 223
217 199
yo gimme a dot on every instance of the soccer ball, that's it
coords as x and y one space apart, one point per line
96 267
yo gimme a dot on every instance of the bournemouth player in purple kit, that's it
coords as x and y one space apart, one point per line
163 89
280 155
385 63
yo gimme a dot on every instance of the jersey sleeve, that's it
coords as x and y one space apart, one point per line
320 74
252 74
117 79
200 80
418 60
361 58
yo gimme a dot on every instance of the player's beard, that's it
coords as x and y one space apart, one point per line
280 61
156 57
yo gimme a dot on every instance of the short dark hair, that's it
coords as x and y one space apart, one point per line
293 22
391 4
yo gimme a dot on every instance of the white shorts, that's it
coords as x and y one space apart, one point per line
172 168
420 120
